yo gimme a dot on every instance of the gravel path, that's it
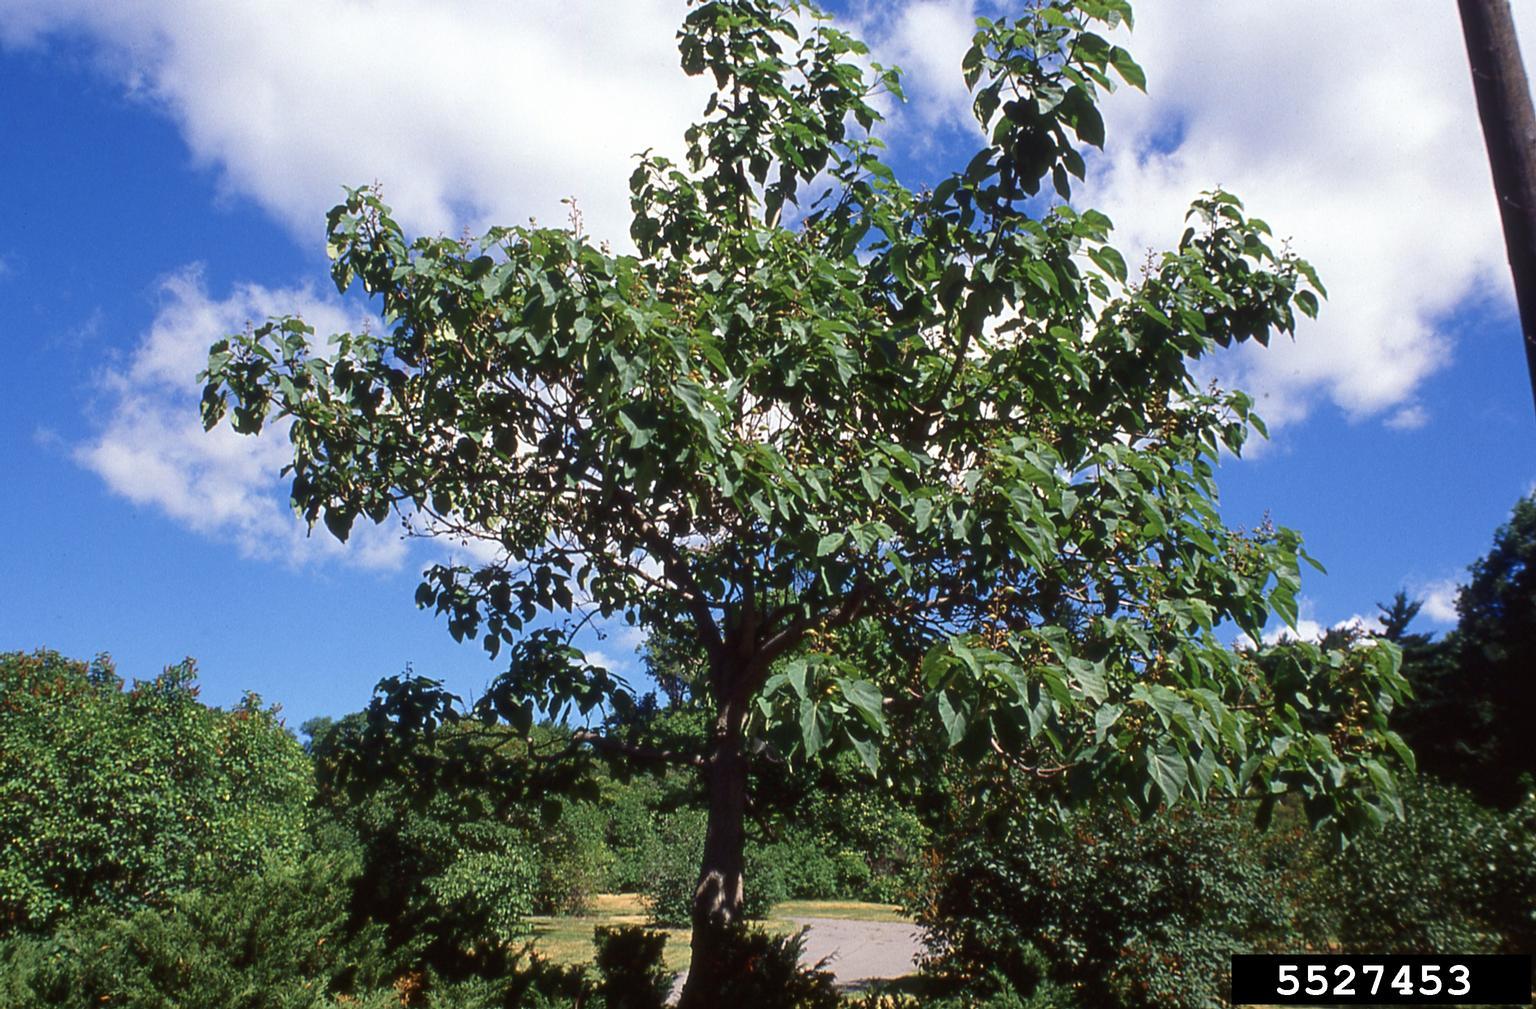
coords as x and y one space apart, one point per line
859 951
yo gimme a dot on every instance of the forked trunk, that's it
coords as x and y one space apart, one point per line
717 900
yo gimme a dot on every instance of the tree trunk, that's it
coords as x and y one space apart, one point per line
717 900
1509 130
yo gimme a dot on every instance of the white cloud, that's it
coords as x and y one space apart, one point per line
152 450
1356 134
601 659
1439 600
1408 418
927 40
1308 629
469 112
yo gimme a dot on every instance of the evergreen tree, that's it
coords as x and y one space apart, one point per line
1469 720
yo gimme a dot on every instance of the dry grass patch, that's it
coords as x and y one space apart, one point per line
568 938
848 910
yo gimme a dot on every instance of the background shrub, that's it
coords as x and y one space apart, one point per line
798 865
878 844
631 812
855 842
1452 875
672 867
1126 913
119 798
575 862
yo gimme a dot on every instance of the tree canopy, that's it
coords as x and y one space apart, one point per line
814 396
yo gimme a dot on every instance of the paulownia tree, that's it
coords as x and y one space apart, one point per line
815 397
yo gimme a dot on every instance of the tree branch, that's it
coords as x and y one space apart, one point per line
676 568
757 672
634 751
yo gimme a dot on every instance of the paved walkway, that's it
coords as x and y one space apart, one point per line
862 951
859 951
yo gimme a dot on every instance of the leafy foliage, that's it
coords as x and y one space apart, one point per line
1123 913
1452 875
953 412
1340 739
120 798
462 838
793 425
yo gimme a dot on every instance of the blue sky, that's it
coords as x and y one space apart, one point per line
166 165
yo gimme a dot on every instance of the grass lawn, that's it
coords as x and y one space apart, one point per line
848 910
568 939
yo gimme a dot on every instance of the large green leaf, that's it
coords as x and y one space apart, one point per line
953 718
867 700
1168 771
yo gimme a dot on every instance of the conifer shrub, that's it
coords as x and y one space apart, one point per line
629 961
281 938
765 972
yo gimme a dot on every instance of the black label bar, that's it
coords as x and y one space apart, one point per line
1327 979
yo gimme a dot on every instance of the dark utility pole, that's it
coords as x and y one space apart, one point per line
1509 129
